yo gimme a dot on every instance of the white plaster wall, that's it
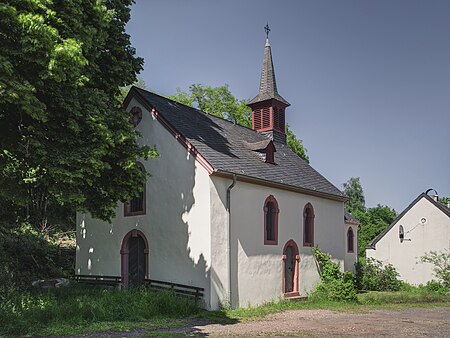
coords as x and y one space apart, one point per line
420 238
351 257
176 224
257 268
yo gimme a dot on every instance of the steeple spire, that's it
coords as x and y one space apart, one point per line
268 84
268 107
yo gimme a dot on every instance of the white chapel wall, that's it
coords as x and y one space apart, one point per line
420 237
257 268
176 224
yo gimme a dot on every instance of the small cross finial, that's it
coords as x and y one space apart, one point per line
267 29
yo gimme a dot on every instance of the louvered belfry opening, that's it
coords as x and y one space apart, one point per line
269 117
268 107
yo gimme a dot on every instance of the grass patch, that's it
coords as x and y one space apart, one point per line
78 310
366 302
414 295
82 309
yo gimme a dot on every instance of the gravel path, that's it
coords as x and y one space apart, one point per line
411 323
414 322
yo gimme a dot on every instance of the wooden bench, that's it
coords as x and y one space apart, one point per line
99 280
179 289
152 284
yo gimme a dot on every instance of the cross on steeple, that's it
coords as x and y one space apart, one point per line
267 29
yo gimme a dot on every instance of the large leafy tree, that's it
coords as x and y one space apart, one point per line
353 189
373 220
65 140
219 101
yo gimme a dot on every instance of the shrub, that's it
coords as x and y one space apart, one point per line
441 262
336 285
372 275
436 286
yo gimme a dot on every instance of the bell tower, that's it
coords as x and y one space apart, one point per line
268 107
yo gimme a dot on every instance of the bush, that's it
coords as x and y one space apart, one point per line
436 286
372 275
27 255
441 262
336 285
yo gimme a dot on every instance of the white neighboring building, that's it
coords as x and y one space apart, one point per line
228 208
422 227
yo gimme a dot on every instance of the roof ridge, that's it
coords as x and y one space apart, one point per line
198 110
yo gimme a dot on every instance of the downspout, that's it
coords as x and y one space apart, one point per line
229 236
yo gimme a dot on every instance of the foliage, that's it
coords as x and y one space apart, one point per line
444 200
410 297
219 101
373 222
355 193
336 285
31 312
140 83
436 286
296 145
27 255
372 275
65 139
441 262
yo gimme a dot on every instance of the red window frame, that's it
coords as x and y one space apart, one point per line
350 241
127 205
308 225
274 211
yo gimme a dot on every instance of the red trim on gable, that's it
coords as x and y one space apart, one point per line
189 147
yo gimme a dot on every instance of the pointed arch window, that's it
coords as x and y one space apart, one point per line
350 240
401 233
137 205
271 221
308 225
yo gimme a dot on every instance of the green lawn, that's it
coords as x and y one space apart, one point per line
81 310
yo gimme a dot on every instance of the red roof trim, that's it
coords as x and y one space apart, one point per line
189 147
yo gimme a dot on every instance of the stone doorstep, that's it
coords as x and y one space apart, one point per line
294 296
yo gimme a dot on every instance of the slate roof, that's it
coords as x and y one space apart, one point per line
268 84
438 205
348 218
226 147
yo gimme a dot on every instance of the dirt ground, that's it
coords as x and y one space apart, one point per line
415 322
411 323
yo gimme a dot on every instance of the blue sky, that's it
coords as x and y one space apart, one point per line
368 81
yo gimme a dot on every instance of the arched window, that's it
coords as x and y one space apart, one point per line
271 221
135 116
136 205
350 240
401 233
308 225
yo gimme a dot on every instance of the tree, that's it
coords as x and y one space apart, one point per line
65 140
444 200
373 222
354 190
219 101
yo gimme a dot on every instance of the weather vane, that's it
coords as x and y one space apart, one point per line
267 29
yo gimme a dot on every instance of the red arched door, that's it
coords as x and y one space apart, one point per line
290 268
134 254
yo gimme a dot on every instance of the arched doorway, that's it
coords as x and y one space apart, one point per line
290 269
134 253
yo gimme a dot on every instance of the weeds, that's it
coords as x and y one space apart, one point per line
32 312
